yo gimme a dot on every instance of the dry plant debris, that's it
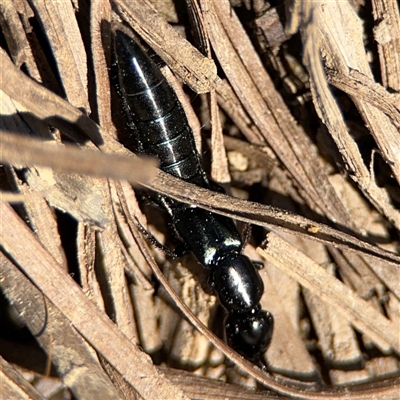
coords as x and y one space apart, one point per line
301 103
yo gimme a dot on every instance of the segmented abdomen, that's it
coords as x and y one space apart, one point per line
161 123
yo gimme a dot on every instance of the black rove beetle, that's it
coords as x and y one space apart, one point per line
161 130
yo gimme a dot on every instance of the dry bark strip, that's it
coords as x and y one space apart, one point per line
28 152
387 35
44 104
330 32
14 385
197 71
61 27
76 363
357 84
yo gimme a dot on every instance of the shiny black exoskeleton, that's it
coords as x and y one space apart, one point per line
162 130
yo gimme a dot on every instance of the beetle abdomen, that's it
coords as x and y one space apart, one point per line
154 109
